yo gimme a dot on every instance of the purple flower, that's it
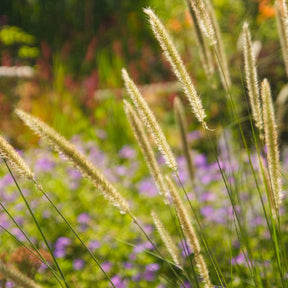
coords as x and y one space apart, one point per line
60 246
44 164
83 218
127 265
127 152
208 212
78 264
147 187
60 253
5 181
106 265
153 267
200 160
194 135
142 247
118 281
94 244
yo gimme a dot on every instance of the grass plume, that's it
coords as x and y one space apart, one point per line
146 149
63 146
271 141
177 65
166 238
189 233
8 153
252 78
150 121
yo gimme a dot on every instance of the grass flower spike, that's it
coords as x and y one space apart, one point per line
150 121
145 147
189 233
177 65
17 277
252 78
204 20
8 153
271 141
166 238
60 144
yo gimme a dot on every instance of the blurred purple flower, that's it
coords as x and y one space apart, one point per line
94 244
127 152
44 164
5 181
208 196
208 212
121 170
147 187
127 265
118 281
18 234
194 135
106 265
62 243
83 218
142 247
78 264
200 160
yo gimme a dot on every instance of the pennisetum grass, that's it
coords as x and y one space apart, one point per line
9 155
252 78
59 143
281 11
271 142
177 65
166 238
150 121
146 149
189 233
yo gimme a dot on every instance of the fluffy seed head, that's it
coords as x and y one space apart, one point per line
177 65
150 121
204 20
271 141
60 144
8 153
252 78
166 238
189 233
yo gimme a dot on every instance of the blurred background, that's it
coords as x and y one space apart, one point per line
73 51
